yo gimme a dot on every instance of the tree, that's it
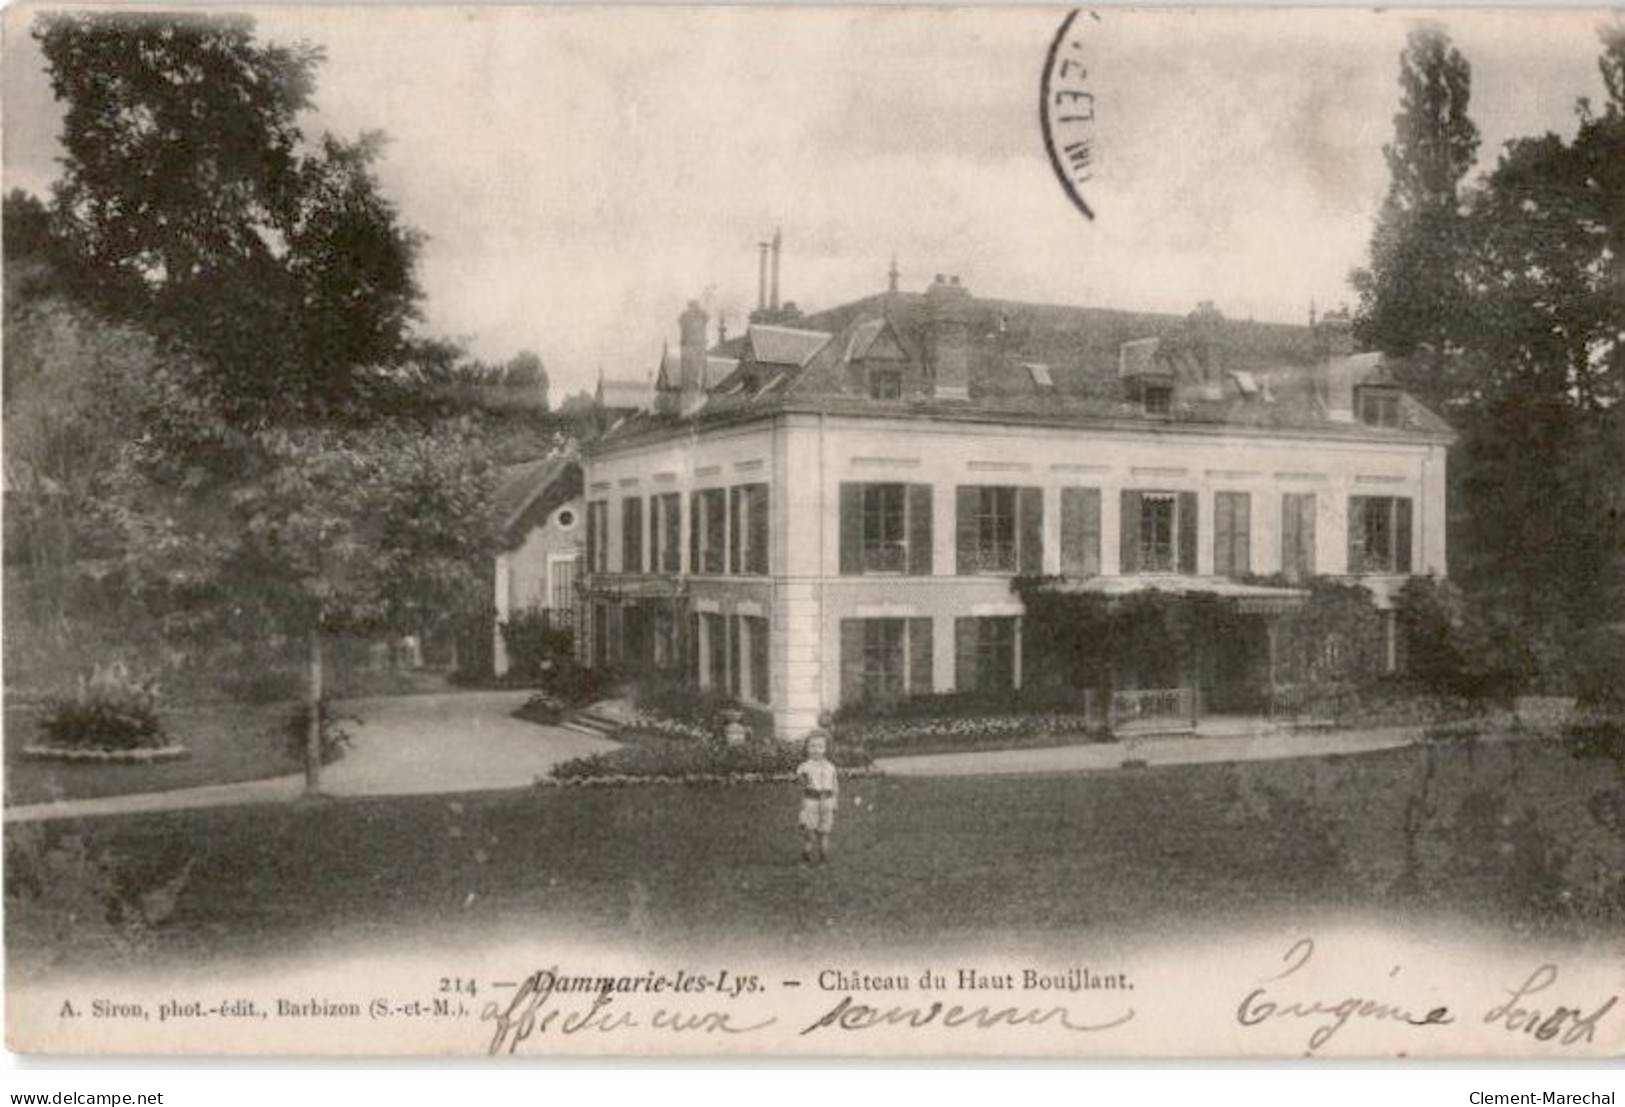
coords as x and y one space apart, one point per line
293 468
1413 296
1543 445
324 530
524 372
196 207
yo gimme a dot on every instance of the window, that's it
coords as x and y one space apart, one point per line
1298 534
1158 531
885 659
749 527
632 534
1159 399
1232 540
598 537
1080 532
708 531
985 654
1379 407
562 593
665 532
1379 534
756 634
1157 511
715 630
885 382
886 528
1000 529
565 519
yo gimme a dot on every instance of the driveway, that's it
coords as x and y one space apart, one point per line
404 745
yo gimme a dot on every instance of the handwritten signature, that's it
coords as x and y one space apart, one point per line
1330 1015
527 1015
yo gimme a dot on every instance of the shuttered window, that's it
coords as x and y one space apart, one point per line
1232 533
985 653
747 528
632 534
1158 531
885 659
1080 532
999 529
1298 534
715 629
665 533
708 531
756 634
885 528
598 536
1379 534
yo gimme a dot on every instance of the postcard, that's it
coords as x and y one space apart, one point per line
747 532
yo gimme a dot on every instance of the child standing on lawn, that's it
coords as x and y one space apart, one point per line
819 790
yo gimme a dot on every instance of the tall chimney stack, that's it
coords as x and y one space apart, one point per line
947 337
778 242
892 275
761 276
691 357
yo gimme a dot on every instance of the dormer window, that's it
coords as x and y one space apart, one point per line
885 382
1379 407
1158 399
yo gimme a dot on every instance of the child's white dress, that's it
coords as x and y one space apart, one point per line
818 794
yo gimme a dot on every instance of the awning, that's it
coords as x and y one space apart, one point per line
1250 599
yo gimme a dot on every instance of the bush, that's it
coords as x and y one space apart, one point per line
573 684
336 739
702 761
111 710
1600 738
1453 648
535 645
544 708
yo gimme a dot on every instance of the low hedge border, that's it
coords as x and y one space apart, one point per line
624 779
107 757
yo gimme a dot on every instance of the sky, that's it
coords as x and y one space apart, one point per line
581 173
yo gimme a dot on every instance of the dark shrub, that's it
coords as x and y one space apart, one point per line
1602 738
109 710
573 684
678 758
535 643
336 738
544 708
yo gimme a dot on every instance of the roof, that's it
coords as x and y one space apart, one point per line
623 394
526 493
783 345
1251 598
1094 361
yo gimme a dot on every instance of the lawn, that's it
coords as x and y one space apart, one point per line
1511 835
229 742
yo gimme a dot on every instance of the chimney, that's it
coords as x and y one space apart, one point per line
892 275
691 357
778 243
1334 345
947 337
761 277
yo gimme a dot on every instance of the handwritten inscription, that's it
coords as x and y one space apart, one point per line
849 1015
1567 1024
1328 1015
527 1014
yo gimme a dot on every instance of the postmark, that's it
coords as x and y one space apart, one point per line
1067 111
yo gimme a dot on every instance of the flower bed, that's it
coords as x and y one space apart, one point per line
107 757
112 715
656 760
969 732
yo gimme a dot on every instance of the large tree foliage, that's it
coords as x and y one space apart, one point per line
1511 297
292 469
1412 297
198 207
